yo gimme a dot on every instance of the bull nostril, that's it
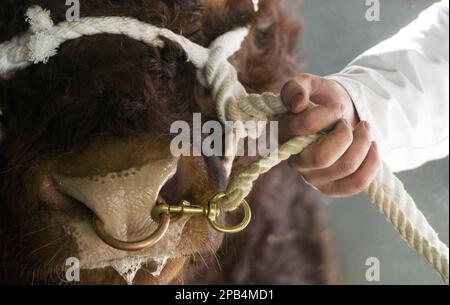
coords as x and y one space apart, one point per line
55 198
123 199
169 192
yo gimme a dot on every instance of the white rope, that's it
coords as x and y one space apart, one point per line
233 104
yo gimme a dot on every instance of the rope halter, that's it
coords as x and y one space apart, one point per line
233 103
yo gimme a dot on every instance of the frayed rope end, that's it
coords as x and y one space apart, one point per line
41 45
39 19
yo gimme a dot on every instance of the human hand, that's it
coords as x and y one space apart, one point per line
344 161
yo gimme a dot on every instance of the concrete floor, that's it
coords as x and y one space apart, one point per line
335 32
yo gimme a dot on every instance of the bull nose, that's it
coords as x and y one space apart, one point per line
122 200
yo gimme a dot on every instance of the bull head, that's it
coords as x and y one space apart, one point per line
88 133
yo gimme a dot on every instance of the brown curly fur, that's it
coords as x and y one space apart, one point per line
115 86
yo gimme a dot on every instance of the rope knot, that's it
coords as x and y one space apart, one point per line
41 47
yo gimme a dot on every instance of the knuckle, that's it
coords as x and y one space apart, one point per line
294 126
347 134
361 183
321 159
348 167
309 125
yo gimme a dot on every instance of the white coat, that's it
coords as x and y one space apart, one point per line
401 87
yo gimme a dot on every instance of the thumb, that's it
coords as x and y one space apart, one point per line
296 94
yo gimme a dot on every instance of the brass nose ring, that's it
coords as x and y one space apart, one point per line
149 241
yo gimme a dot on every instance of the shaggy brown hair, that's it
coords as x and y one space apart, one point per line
116 86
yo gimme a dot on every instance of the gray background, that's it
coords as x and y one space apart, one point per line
335 31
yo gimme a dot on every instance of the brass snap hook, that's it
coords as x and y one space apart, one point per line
163 226
211 211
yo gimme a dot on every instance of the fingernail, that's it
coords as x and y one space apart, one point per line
293 100
366 125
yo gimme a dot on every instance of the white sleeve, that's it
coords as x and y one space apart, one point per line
401 87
